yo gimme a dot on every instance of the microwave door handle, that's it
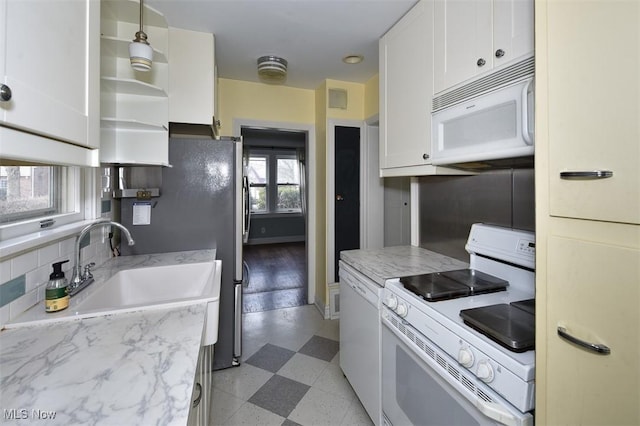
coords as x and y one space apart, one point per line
525 113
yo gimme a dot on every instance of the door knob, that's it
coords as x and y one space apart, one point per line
5 93
481 62
499 53
339 197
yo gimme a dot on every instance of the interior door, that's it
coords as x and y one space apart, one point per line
347 191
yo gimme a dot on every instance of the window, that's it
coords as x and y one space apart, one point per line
274 182
31 195
288 182
258 177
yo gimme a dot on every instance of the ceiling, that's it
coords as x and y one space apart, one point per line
312 35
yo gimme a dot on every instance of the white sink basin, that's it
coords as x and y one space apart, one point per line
143 289
153 285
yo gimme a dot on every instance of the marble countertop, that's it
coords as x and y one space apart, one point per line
129 368
105 271
401 261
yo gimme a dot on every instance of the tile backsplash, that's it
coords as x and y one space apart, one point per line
23 278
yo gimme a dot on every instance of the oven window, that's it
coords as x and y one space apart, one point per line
422 398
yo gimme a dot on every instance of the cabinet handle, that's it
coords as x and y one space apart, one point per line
425 156
196 401
481 62
5 93
587 175
594 347
499 53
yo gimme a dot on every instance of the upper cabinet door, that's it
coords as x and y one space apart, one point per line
191 77
512 31
472 38
406 89
50 60
593 110
462 41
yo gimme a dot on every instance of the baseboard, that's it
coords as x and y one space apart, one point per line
276 240
334 300
324 309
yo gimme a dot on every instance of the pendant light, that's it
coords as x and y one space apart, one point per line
140 52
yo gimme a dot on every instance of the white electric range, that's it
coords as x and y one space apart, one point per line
488 360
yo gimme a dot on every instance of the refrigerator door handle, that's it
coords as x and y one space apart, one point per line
246 278
237 333
247 209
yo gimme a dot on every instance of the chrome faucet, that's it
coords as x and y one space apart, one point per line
79 279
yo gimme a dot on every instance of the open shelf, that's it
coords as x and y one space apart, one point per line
131 87
129 124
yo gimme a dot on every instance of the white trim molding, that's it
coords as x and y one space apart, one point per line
238 124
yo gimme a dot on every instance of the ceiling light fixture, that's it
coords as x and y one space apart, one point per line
272 69
352 59
140 52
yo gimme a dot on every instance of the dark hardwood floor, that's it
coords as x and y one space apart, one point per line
278 276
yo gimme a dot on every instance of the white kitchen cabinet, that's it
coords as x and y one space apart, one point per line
593 292
134 104
192 78
406 88
49 60
472 38
587 230
594 116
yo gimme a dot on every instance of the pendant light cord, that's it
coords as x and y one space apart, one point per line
141 15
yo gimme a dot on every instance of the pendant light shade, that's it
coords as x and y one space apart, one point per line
272 69
140 52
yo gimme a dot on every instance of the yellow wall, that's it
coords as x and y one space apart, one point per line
355 100
372 96
263 102
259 101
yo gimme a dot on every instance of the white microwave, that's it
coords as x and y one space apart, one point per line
496 125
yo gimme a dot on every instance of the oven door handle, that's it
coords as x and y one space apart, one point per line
496 412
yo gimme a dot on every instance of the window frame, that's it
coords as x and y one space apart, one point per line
272 156
80 206
260 185
278 184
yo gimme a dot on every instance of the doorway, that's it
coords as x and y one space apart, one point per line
368 205
346 191
275 252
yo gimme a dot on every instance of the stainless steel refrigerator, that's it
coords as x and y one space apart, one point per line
202 205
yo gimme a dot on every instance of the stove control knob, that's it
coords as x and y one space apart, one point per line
465 357
402 310
485 371
391 301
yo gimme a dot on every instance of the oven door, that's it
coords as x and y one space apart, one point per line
416 389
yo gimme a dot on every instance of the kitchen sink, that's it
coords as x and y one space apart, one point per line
140 289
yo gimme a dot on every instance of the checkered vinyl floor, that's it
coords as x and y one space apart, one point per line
290 374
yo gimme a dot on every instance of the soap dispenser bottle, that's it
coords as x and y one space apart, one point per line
56 296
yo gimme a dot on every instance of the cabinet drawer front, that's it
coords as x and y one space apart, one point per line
593 291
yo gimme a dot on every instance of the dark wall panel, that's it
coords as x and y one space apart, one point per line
449 205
